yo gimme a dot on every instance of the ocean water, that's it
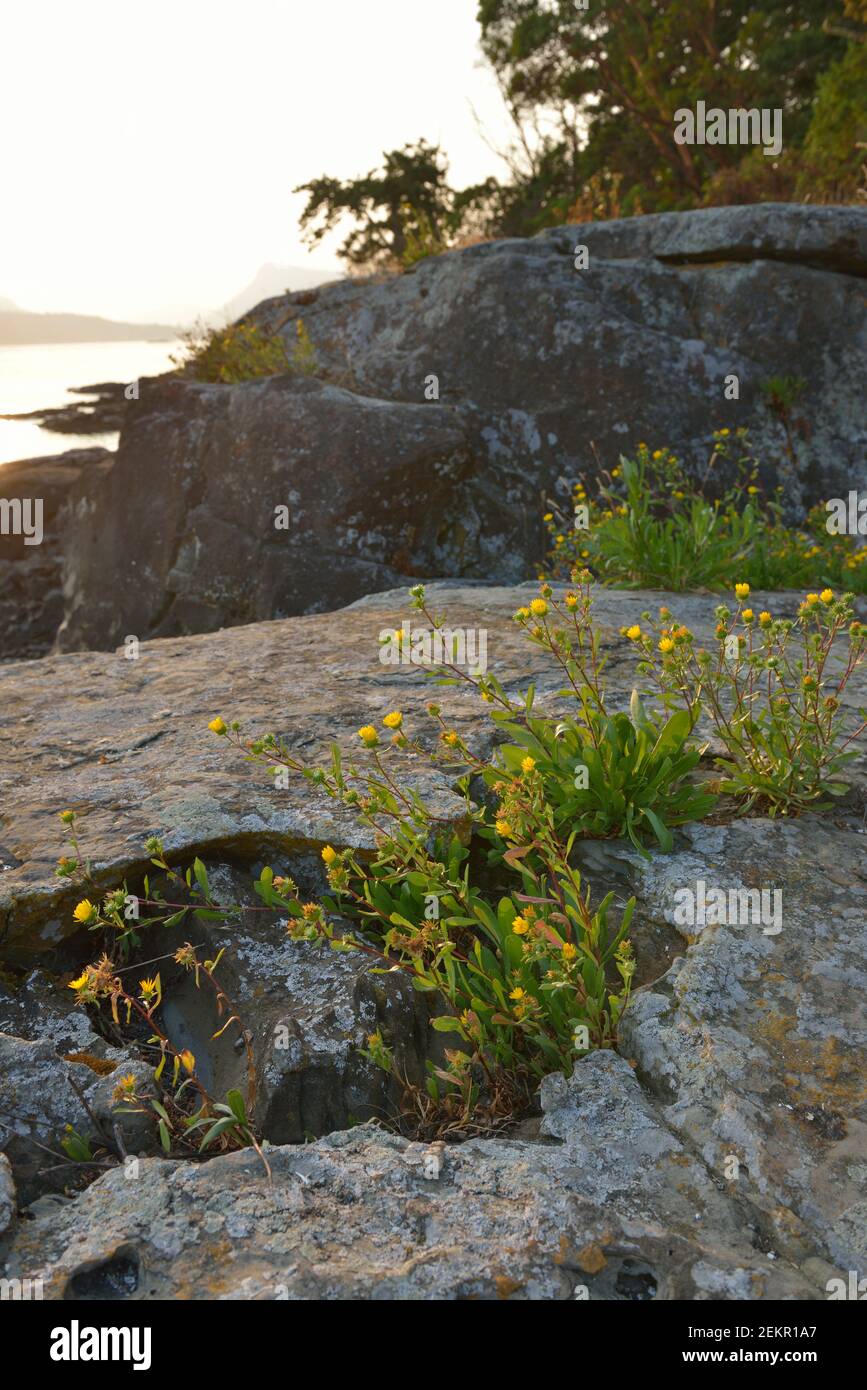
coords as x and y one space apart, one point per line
34 375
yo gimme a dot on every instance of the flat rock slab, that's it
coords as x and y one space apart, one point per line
125 743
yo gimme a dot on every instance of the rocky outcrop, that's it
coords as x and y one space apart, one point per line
453 399
31 575
277 497
605 1204
720 1156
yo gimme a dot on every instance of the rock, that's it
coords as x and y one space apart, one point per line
543 371
755 1041
125 742
746 1045
309 1011
612 1206
384 489
824 238
41 1094
31 584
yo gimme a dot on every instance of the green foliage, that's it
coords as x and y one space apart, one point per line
650 525
404 204
240 352
593 92
614 775
497 921
76 1146
604 83
773 690
303 358
836 142
231 1124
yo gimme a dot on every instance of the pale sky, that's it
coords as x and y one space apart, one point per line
148 152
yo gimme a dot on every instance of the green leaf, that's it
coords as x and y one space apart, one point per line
201 877
235 1102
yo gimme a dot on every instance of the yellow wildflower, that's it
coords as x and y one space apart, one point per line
742 590
538 607
827 595
633 633
517 993
666 645
368 735
393 720
85 911
218 725
503 828
570 950
520 927
329 854
527 764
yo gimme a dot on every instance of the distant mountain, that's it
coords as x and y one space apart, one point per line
17 326
6 305
271 280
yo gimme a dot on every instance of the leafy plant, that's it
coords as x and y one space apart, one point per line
303 357
773 691
602 774
496 919
648 524
239 352
116 915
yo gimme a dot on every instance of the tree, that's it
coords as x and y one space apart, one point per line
607 80
404 204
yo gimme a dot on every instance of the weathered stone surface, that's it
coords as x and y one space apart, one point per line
611 1203
186 522
562 363
31 580
543 371
749 1046
756 1041
309 1012
125 743
38 1100
827 238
